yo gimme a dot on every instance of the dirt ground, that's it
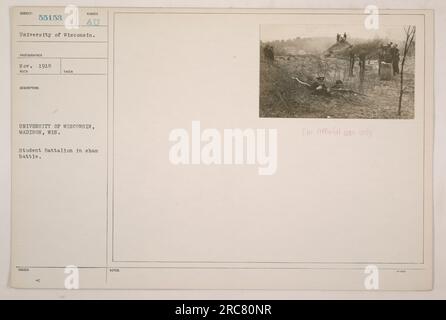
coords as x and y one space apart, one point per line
281 96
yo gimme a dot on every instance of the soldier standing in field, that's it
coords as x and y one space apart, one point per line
396 59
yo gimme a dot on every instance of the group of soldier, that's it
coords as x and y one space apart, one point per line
391 54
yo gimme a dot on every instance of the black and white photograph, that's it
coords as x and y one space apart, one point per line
337 71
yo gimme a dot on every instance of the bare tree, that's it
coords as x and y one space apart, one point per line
410 34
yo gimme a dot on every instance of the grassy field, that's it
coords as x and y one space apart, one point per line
281 96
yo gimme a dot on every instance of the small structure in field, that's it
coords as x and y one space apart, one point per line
386 71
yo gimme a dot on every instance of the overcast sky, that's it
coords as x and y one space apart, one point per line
284 32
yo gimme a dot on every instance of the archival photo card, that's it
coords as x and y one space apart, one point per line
242 149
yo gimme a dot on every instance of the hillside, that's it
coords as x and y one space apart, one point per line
281 96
